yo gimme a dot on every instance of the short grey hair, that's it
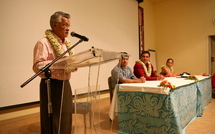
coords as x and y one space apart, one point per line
56 17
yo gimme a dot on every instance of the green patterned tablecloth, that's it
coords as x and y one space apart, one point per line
151 113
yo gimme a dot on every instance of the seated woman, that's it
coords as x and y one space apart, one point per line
167 70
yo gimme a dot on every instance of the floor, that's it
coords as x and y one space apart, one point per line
102 124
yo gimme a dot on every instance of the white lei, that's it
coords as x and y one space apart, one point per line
170 69
56 45
147 71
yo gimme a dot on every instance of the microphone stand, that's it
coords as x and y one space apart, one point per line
48 75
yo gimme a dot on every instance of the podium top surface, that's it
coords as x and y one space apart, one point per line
90 57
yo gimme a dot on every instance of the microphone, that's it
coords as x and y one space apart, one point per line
73 34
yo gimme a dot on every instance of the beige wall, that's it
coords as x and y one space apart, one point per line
181 29
109 25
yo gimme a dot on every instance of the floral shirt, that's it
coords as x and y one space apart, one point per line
169 69
118 73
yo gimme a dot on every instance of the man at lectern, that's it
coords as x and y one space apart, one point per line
122 73
46 50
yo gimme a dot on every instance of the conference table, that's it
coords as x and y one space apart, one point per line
146 108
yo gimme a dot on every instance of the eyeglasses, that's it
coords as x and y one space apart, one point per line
65 25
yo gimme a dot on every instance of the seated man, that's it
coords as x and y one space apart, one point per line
121 73
143 68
